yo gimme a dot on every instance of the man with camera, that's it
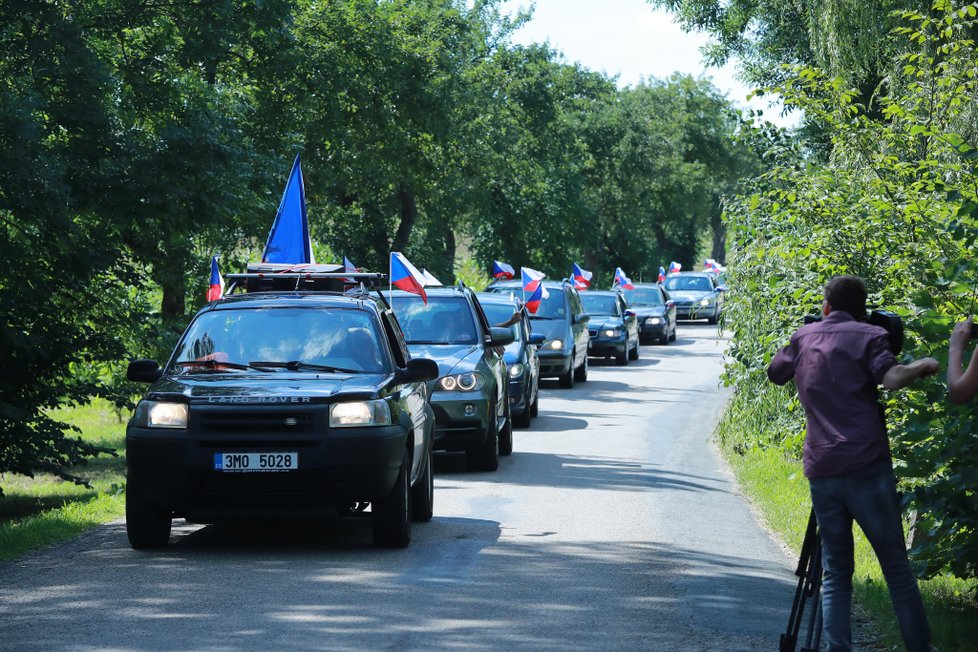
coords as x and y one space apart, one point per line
838 364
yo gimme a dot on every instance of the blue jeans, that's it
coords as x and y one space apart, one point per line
868 496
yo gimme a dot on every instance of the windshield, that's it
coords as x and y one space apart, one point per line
444 320
644 297
500 313
313 339
551 307
691 283
600 304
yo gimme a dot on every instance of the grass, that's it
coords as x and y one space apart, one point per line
778 488
36 512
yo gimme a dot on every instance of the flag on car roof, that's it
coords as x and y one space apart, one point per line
288 241
662 273
582 277
216 289
531 279
710 265
674 267
502 270
621 280
406 276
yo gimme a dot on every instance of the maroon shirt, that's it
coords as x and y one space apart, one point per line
837 365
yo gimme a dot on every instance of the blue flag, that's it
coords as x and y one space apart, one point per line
288 241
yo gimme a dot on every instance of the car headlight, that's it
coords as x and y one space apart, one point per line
468 382
653 321
359 413
161 414
556 345
515 370
704 302
611 332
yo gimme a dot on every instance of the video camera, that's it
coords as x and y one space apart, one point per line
891 323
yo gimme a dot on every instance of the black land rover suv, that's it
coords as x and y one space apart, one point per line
283 403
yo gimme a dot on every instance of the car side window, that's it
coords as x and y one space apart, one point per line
483 320
576 308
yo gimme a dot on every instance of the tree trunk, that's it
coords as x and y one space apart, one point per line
449 260
719 250
174 304
409 215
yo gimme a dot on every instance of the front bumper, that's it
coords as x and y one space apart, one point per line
647 330
554 363
336 466
461 420
519 394
599 346
695 311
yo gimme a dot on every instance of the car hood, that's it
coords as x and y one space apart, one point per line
691 295
451 358
550 328
606 321
270 388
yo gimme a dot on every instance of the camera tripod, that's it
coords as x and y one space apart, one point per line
809 573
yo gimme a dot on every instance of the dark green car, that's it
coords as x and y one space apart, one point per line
613 326
470 396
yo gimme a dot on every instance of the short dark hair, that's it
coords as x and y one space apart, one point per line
848 294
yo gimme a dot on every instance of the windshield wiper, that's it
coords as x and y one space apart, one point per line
212 364
296 365
541 317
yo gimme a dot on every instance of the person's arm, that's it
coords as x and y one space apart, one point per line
961 386
901 375
782 367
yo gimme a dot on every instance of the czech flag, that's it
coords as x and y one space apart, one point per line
430 280
621 280
582 277
662 274
536 298
710 265
674 267
406 276
531 279
216 289
502 270
288 241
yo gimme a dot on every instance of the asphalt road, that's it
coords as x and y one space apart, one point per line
613 526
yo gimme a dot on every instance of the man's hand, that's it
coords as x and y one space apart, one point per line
961 386
961 334
901 375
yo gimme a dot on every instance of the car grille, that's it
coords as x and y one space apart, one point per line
593 333
238 421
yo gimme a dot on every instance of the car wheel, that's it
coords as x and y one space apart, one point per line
486 458
566 380
506 435
523 420
621 359
535 405
147 526
634 353
580 374
423 494
392 514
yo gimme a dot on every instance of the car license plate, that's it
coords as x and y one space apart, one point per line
256 462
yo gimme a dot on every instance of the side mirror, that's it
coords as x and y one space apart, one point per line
670 304
417 370
144 371
500 336
582 318
721 288
537 338
630 313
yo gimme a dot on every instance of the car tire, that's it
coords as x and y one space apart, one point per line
580 374
621 359
522 420
147 526
423 494
506 434
633 355
566 380
391 516
535 405
486 457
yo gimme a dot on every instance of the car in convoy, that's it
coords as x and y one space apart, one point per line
563 323
655 310
613 326
469 396
697 295
522 360
280 402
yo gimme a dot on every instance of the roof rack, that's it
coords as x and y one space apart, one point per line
270 277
